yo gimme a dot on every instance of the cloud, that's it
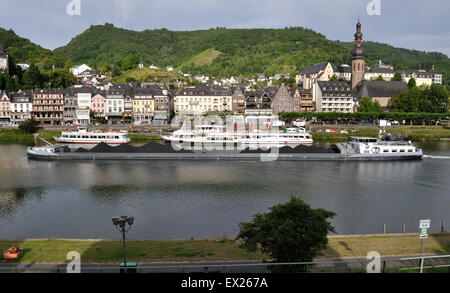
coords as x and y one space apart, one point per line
405 23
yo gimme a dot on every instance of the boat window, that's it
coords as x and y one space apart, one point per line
385 151
402 150
410 151
394 150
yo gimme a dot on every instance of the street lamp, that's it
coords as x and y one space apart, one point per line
120 224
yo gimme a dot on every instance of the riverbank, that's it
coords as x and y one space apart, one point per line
16 136
414 133
146 251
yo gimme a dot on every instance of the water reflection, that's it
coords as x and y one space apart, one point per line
183 199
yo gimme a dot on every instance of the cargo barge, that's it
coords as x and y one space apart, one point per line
358 149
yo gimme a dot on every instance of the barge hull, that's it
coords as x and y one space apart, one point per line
221 157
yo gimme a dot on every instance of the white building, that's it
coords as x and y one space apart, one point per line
437 78
21 107
77 70
23 66
333 96
202 99
3 59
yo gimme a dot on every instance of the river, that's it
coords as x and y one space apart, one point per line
190 199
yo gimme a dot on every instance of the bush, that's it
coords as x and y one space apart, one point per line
30 126
290 232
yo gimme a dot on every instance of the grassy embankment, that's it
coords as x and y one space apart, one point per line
16 136
415 133
110 251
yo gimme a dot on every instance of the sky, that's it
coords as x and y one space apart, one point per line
411 24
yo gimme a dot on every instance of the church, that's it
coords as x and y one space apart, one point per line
343 95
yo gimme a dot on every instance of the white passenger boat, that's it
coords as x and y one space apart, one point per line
218 134
84 136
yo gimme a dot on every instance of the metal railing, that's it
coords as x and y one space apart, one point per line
357 265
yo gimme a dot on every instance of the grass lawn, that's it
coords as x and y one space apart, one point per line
415 133
407 244
15 135
108 251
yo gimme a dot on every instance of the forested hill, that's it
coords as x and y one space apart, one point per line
225 52
21 49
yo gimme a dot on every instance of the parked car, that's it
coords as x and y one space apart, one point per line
344 131
354 131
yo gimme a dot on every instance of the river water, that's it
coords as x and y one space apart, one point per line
190 199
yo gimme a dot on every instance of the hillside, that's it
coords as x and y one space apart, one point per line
145 74
21 49
226 52
218 52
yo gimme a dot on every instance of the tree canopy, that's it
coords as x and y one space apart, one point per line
433 99
290 232
367 105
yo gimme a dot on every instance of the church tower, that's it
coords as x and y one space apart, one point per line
358 62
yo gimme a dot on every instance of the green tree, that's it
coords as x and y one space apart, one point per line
367 105
379 78
29 126
397 77
61 78
407 101
411 83
32 78
290 232
334 78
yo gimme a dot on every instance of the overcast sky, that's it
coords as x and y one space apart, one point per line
412 24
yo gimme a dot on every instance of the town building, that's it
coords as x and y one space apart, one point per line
77 70
98 104
203 99
318 72
437 78
258 102
143 106
24 66
21 107
163 104
333 96
5 109
48 106
115 105
3 60
84 101
283 101
238 99
306 101
380 91
70 106
375 72
343 72
420 76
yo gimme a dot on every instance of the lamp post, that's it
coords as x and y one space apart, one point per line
120 224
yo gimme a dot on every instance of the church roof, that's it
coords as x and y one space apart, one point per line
385 89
